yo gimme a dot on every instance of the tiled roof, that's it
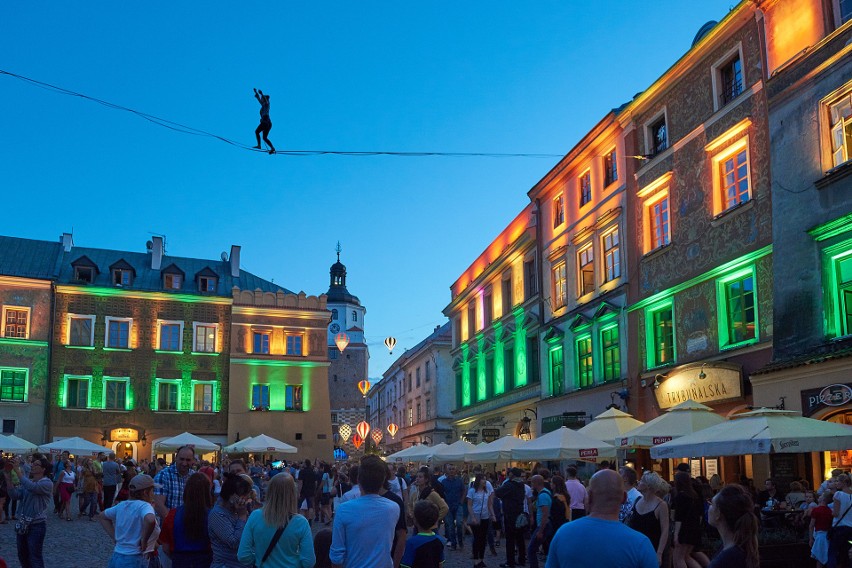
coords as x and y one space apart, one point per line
28 258
827 352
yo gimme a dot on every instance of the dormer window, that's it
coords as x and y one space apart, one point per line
206 284
85 274
172 281
122 277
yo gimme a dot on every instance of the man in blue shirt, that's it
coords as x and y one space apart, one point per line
363 530
454 492
543 500
599 539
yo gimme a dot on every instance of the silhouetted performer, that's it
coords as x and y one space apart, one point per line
265 124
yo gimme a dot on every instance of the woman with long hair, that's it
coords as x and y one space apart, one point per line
184 535
227 519
277 536
688 508
732 514
650 514
67 479
481 509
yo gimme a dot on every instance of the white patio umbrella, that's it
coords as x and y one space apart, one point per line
199 444
564 444
500 450
264 444
423 452
685 418
761 431
14 445
455 452
76 446
401 455
610 425
235 447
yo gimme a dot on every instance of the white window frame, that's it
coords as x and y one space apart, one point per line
648 214
719 200
268 333
581 291
716 75
160 324
29 311
214 385
173 275
604 158
832 100
26 385
213 278
558 207
616 265
69 318
195 326
287 336
583 174
126 381
159 382
649 137
560 284
87 378
109 319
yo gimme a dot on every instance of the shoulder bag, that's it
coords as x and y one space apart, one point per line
835 526
275 538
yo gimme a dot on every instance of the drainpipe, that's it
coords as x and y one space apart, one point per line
47 390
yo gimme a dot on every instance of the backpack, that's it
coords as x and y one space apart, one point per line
557 511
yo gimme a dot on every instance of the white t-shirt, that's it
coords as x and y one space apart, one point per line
528 494
398 485
353 493
128 517
478 503
67 477
845 500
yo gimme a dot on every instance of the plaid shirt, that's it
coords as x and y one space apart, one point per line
172 486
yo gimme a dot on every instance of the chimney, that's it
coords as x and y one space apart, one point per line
235 261
156 252
67 240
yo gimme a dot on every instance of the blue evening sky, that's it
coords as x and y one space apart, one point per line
471 76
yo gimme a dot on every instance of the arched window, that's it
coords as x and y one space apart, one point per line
333 315
354 315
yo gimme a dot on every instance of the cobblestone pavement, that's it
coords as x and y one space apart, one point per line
84 544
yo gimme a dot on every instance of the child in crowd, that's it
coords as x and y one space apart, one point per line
821 518
425 549
322 546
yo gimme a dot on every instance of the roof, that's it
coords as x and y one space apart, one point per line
827 352
48 260
28 258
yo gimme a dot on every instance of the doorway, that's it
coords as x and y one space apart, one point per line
125 450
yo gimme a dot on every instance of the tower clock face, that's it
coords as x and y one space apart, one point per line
334 328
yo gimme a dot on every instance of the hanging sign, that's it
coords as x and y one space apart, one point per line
124 435
814 400
704 383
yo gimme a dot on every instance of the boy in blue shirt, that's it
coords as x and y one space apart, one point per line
425 549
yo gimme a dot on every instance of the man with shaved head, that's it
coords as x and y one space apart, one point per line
599 539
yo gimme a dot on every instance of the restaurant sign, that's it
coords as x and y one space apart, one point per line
814 400
124 435
704 383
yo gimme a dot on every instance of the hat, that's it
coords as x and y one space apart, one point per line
683 467
142 481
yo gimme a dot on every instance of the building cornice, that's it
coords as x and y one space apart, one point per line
141 295
20 282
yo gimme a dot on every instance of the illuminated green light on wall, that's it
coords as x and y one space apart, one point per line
86 347
465 381
22 342
149 295
278 363
835 261
481 368
306 390
499 371
118 349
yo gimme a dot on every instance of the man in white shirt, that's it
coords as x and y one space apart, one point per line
628 475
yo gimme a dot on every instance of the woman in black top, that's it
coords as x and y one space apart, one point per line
732 513
688 509
650 514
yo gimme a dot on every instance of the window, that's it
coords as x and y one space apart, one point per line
260 396
508 366
206 284
13 385
612 255
610 354
610 168
844 10
530 275
658 222
586 259
115 394
585 374
419 415
409 382
471 320
488 308
202 397
734 178
81 330
9 426
122 277
841 277
428 409
841 124
77 392
293 397
294 345
738 309
410 416
558 211
730 77
560 285
506 292
170 336
585 188
417 376
167 395
428 370
533 371
118 333
354 315
557 371
334 315
172 281
85 274
16 322
658 138
332 353
659 329
261 342
205 338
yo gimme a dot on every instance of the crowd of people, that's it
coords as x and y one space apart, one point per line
194 514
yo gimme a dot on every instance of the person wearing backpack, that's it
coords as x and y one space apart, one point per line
513 494
543 504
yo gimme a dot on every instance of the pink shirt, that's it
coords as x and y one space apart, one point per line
577 492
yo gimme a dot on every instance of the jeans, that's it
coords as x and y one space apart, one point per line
453 528
30 546
532 549
514 540
90 500
119 560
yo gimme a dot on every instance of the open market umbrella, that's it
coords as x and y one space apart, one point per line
76 446
761 431
681 420
423 452
199 444
264 444
455 452
402 454
235 447
563 444
14 445
610 425
500 450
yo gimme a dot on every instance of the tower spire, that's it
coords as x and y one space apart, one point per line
338 249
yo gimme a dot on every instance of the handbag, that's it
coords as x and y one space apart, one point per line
833 529
22 525
522 521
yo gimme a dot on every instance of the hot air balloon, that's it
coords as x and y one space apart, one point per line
345 430
357 441
364 386
392 429
363 429
377 436
390 342
341 340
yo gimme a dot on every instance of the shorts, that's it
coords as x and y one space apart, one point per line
265 124
306 502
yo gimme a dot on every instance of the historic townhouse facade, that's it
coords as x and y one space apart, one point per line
495 313
583 336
